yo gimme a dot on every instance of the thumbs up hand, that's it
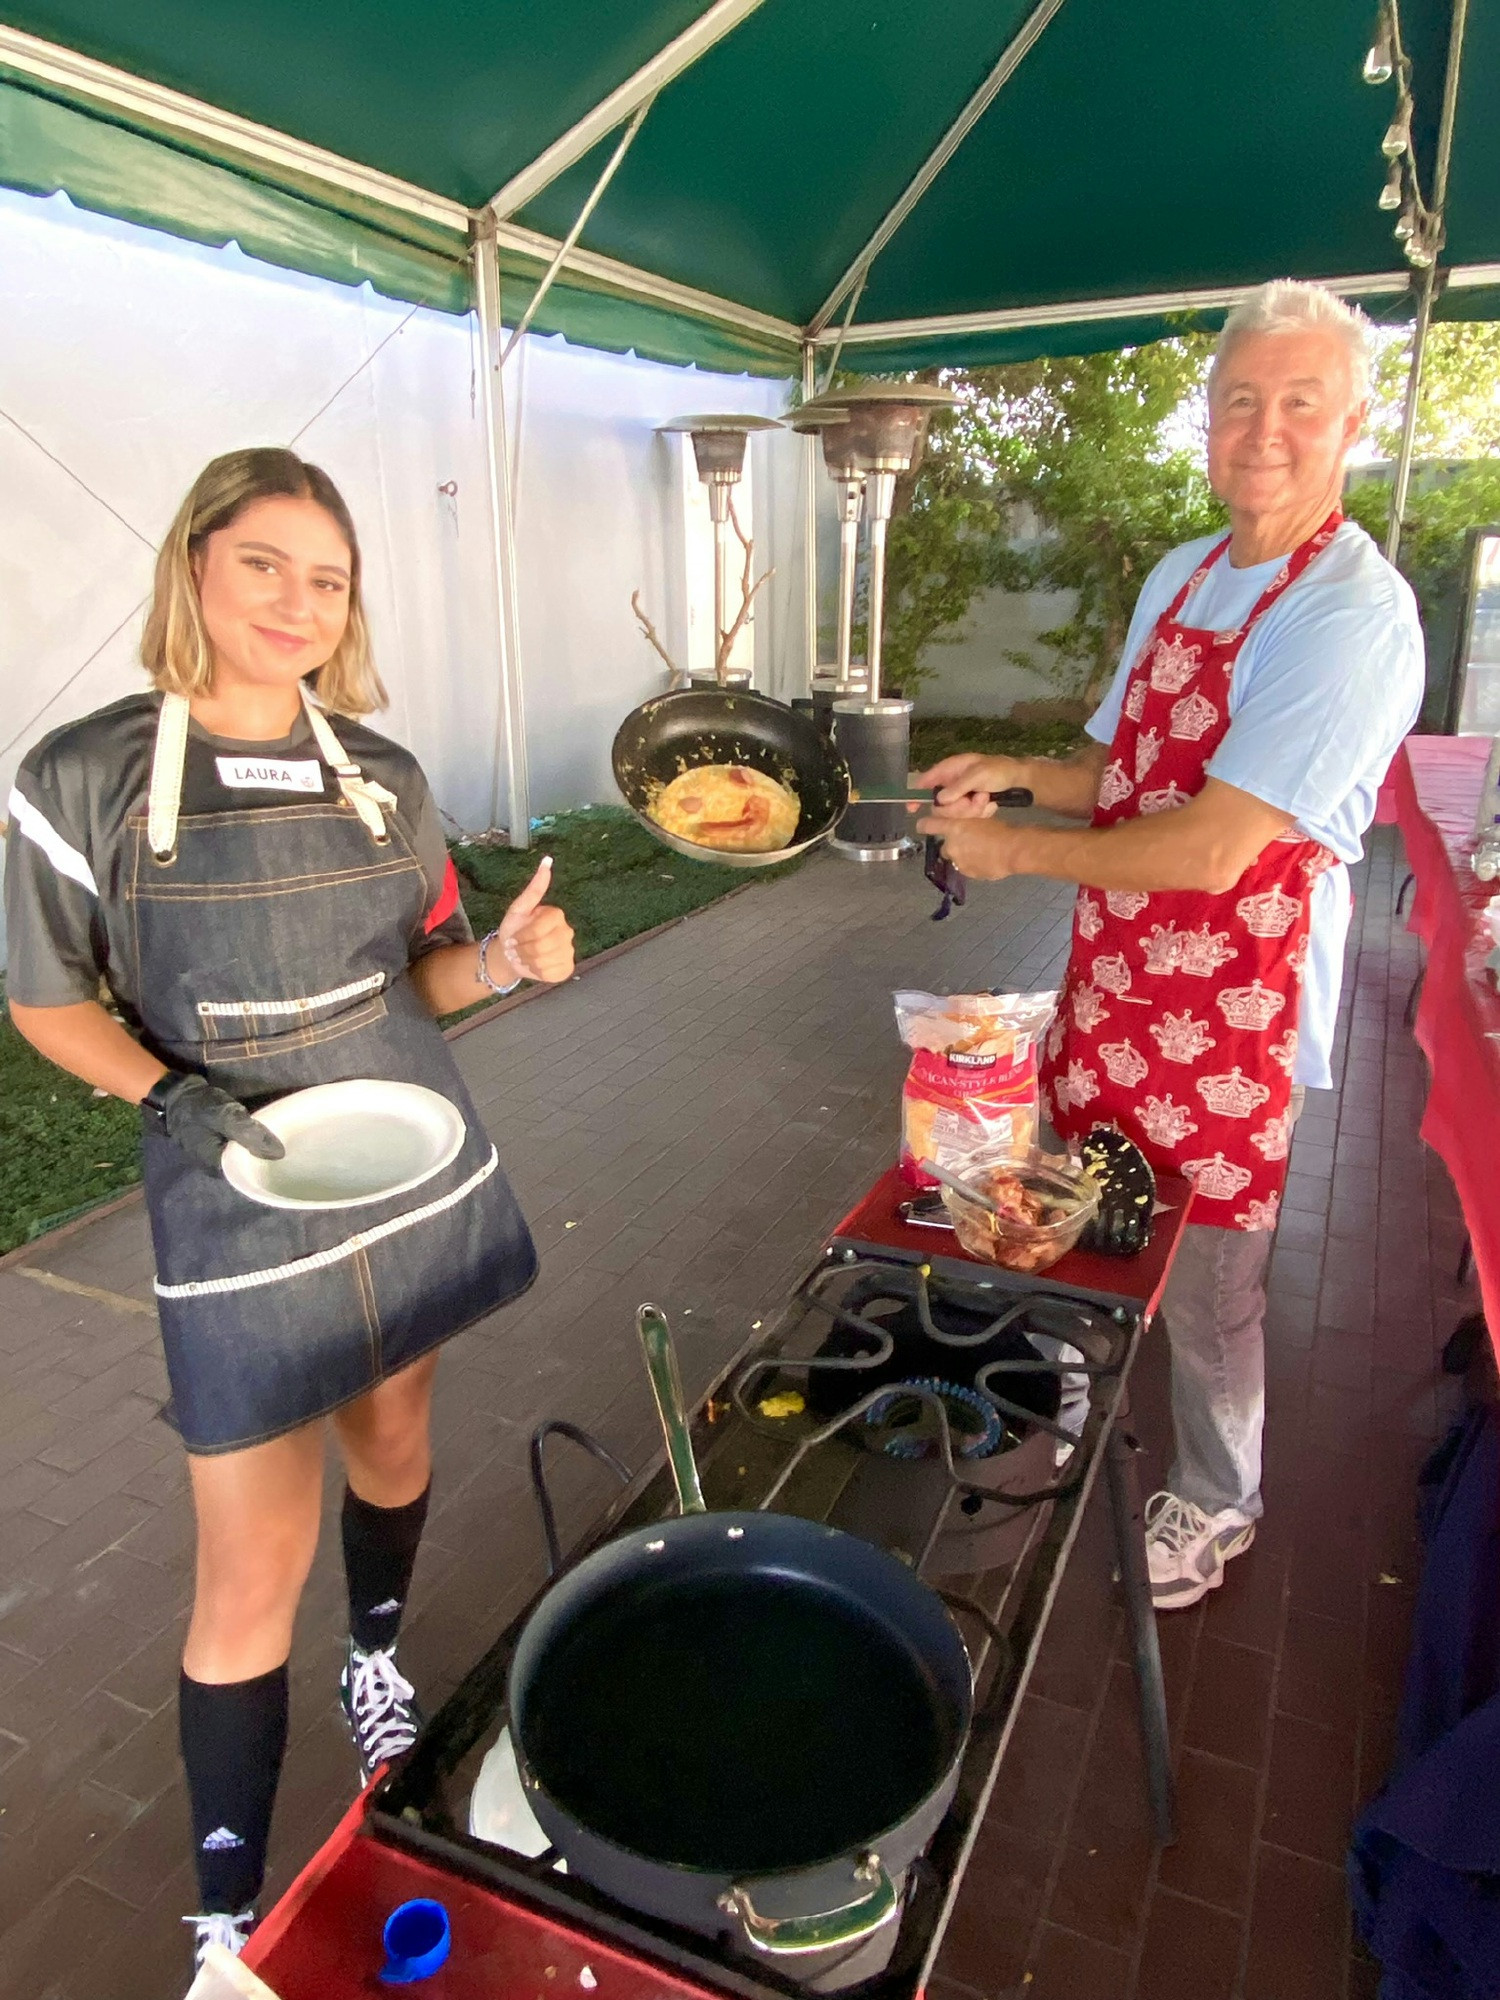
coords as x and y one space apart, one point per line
536 937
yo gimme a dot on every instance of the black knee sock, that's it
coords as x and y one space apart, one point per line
233 1737
380 1552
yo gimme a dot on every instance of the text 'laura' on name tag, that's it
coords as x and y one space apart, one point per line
275 774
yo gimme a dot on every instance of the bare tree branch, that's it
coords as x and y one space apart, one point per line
649 630
747 596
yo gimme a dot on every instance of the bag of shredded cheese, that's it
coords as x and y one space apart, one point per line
972 1081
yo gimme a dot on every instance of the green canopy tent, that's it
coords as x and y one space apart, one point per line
764 184
1078 167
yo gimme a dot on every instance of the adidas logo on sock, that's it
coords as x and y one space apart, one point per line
384 1610
220 1840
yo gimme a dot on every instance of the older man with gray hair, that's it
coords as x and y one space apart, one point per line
1267 679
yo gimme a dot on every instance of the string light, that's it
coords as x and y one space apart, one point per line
1419 232
1397 138
1379 63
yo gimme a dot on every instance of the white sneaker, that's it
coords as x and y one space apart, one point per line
218 1927
1186 1549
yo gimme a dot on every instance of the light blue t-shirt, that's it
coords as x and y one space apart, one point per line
1325 687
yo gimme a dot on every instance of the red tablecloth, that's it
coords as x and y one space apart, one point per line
1437 780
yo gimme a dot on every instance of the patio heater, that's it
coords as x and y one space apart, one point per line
831 424
870 435
719 453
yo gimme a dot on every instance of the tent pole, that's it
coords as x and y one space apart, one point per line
511 776
1401 478
810 514
1401 481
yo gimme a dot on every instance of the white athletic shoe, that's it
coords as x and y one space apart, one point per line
1186 1549
218 1927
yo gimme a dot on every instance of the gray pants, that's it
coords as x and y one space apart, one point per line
1215 1305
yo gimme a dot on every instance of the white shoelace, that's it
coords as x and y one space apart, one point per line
378 1695
1174 1522
220 1928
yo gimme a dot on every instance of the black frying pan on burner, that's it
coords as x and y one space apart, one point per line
673 733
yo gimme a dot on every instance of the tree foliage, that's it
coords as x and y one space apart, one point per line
1456 479
1458 415
1072 474
1438 518
1078 474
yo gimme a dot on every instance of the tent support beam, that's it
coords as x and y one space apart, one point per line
666 65
654 290
81 76
810 454
511 775
1145 305
1401 478
1016 51
565 248
77 76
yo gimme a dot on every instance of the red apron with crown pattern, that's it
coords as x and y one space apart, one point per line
1177 1021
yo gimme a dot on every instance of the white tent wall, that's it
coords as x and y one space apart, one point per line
600 515
129 358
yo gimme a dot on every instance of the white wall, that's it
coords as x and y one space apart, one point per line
129 358
973 676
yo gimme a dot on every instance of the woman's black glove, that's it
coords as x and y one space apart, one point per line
202 1119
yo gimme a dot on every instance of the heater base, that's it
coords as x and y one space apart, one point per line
896 850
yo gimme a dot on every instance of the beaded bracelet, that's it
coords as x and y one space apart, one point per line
485 977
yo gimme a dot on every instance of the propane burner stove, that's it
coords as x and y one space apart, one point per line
954 1408
947 1411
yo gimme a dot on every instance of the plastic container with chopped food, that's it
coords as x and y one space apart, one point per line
1047 1203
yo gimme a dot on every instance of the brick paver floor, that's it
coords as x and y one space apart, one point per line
684 1123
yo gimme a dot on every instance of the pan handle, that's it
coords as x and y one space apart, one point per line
784 1937
666 1387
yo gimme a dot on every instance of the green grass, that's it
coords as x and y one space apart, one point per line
613 879
63 1150
935 736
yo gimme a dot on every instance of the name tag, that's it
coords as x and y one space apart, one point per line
270 774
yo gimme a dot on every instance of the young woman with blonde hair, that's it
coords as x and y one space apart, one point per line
262 882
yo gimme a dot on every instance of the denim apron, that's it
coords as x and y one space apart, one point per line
272 948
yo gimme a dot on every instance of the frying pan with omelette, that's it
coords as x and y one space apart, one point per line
696 762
